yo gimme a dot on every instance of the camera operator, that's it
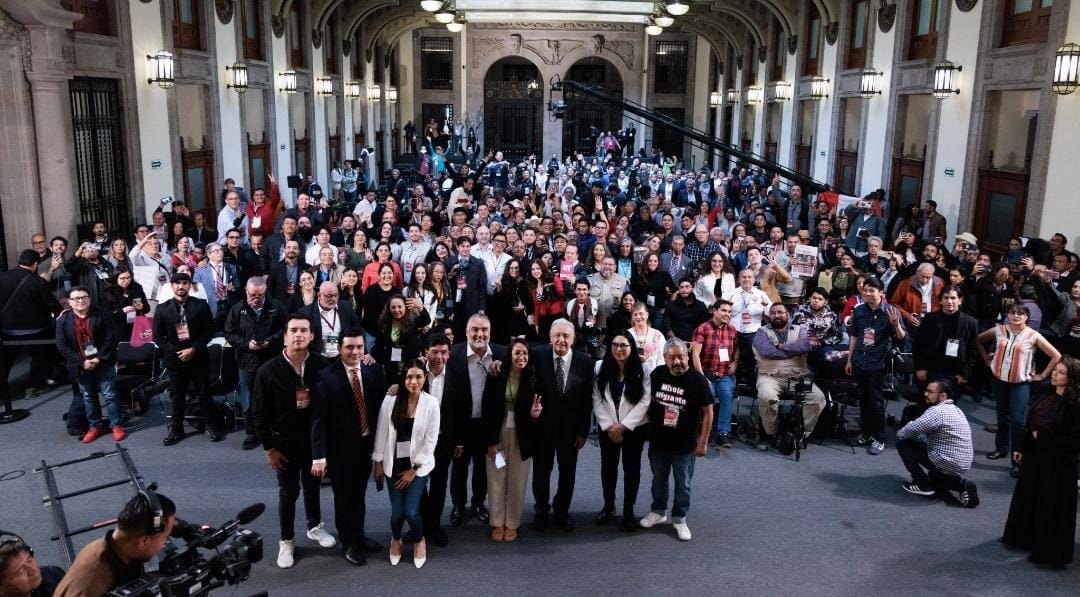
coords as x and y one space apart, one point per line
117 558
20 575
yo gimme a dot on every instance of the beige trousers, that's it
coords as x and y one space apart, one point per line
768 403
506 486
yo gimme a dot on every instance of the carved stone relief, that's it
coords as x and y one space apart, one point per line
552 51
557 26
316 38
832 30
886 16
277 23
224 9
793 44
966 5
346 47
485 46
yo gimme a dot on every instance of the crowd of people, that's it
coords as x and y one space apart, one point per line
456 327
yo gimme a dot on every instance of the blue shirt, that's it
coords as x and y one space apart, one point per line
874 336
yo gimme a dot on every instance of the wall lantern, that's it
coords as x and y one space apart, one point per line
163 66
1067 69
714 99
392 95
353 89
754 95
944 79
236 77
374 93
870 83
779 91
288 81
324 86
732 96
678 7
431 5
819 88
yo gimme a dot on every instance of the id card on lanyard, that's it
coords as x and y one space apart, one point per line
182 332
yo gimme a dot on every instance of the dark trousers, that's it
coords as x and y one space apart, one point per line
747 371
543 464
297 473
349 480
193 380
431 507
871 403
475 453
42 358
630 450
916 457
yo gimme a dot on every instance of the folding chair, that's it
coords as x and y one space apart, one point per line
138 374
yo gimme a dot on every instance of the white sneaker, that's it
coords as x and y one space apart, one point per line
682 530
652 519
285 554
320 535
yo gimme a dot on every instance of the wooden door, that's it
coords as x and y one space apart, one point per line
198 167
1000 205
258 165
770 151
802 159
907 179
847 163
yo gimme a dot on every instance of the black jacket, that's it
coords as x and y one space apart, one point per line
31 307
278 422
104 334
931 339
682 319
200 330
277 282
408 341
335 422
458 389
562 420
474 295
242 326
346 317
493 411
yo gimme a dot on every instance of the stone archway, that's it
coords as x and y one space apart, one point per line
514 108
585 119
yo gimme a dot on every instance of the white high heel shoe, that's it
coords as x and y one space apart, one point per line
395 559
419 562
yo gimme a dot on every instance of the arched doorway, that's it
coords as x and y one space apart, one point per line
513 106
582 115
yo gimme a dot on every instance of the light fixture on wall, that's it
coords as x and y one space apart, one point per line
445 15
353 89
714 99
533 85
945 79
391 95
457 25
374 93
653 29
324 86
163 69
236 77
779 91
754 95
732 96
819 88
870 83
1067 69
662 19
431 5
288 81
678 7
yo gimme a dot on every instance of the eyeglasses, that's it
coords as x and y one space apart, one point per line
78 298
620 345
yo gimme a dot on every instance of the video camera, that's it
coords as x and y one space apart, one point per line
186 572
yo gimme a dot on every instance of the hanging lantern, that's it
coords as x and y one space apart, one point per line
944 79
288 81
870 83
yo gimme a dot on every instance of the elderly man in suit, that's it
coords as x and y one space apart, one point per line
564 394
329 316
344 409
221 281
676 261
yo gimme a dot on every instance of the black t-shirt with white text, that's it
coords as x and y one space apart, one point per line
675 409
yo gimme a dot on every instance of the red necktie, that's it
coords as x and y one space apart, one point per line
358 396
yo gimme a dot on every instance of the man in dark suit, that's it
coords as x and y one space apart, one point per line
329 317
564 389
466 376
344 411
200 234
437 353
275 244
468 279
284 276
676 261
183 326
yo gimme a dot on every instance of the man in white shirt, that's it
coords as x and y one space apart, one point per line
364 209
461 197
437 354
231 216
413 251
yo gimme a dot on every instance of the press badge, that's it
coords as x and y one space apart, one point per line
952 347
332 339
746 318
303 398
89 351
395 354
868 337
130 316
723 355
651 300
256 222
671 416
182 332
290 289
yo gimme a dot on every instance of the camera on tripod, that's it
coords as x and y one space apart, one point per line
187 571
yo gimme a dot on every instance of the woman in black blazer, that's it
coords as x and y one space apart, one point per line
398 339
126 301
506 421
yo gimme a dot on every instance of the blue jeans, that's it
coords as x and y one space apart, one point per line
405 505
100 381
663 465
723 388
245 380
1012 403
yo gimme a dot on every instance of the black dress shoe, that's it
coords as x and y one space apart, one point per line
605 516
541 522
438 537
366 544
250 443
630 521
355 556
565 522
481 513
457 516
1014 471
214 434
174 437
997 454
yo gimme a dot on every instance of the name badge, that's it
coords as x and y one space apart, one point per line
461 283
161 279
90 351
671 416
395 355
303 398
256 222
332 339
868 337
459 294
402 450
952 347
130 316
651 300
723 355
290 289
746 318
182 333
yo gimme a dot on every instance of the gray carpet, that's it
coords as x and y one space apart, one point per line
833 524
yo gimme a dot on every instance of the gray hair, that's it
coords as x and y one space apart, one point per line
255 282
926 268
562 321
674 343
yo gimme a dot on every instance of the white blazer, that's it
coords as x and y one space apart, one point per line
425 434
629 415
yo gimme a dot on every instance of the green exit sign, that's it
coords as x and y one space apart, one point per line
155 164
950 172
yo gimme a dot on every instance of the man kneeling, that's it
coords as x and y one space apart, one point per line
781 356
936 448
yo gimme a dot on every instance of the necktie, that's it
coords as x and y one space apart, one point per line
219 283
560 376
358 396
675 265
580 315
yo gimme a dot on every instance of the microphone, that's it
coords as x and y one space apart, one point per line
251 513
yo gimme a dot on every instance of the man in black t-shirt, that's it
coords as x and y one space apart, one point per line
681 415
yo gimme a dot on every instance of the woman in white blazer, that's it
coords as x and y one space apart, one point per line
407 432
715 268
621 403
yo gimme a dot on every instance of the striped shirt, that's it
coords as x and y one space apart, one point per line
948 437
1014 354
